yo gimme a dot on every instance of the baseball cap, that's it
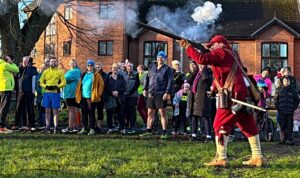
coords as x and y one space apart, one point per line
90 62
162 54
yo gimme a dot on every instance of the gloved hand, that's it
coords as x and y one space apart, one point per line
51 87
183 43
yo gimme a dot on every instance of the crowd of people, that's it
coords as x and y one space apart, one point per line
120 93
200 99
126 89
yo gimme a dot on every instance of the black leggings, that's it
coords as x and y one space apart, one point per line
100 107
88 113
180 120
130 111
118 111
24 110
286 125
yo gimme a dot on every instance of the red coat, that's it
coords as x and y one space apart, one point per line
221 62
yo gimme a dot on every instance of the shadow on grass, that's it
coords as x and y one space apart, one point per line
52 173
43 136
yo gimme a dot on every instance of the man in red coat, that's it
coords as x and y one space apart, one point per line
221 58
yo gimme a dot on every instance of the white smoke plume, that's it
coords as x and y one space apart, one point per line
90 17
208 13
195 20
131 17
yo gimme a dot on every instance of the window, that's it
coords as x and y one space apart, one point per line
235 47
50 49
151 49
274 55
106 11
105 48
68 12
51 28
67 48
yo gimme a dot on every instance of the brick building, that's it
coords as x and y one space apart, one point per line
264 32
93 33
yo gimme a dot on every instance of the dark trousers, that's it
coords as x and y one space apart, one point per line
130 111
118 111
286 125
142 108
100 107
41 115
180 120
24 109
88 113
5 97
195 124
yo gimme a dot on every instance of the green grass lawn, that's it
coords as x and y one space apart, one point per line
43 155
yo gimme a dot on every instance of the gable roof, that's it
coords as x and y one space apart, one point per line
155 23
244 19
240 19
277 22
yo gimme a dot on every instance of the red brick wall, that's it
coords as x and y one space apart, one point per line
247 54
108 29
62 35
134 52
297 59
39 55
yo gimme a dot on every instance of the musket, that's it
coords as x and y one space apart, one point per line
248 105
176 37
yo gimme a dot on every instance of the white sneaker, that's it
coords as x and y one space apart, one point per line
67 130
208 136
83 131
75 130
123 132
92 132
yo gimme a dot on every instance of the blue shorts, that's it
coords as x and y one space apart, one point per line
51 100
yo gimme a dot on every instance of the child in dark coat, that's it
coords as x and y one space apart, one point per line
286 103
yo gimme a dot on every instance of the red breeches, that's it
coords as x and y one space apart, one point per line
225 121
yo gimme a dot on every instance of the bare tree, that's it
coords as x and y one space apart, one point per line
20 41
